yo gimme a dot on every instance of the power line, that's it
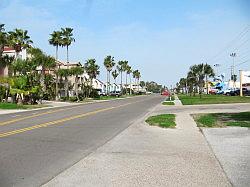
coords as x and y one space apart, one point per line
238 37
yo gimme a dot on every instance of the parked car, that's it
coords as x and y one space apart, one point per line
213 91
101 92
227 91
116 93
219 92
165 93
236 92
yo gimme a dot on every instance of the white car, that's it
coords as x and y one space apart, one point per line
227 91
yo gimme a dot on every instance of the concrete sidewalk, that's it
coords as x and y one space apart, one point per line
177 102
149 156
51 104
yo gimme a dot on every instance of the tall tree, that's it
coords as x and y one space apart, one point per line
56 40
92 69
183 84
125 67
137 76
19 39
129 71
64 73
121 68
3 39
67 40
77 71
199 73
115 74
209 72
109 63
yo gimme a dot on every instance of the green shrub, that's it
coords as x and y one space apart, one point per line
63 98
94 94
73 99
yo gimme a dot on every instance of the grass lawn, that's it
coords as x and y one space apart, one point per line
168 98
17 106
168 103
241 119
212 99
107 97
163 120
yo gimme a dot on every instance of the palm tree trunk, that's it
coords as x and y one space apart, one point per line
67 83
138 84
56 74
67 54
76 87
130 91
43 80
121 84
109 82
126 82
107 88
206 85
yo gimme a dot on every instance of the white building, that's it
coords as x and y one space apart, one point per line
11 52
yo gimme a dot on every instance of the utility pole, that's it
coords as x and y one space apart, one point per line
241 77
233 77
216 69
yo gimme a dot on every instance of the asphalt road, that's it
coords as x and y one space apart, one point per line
38 145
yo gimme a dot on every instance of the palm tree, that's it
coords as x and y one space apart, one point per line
128 72
183 84
19 39
3 39
56 40
198 72
121 68
209 72
64 73
47 63
76 71
92 69
137 76
109 64
115 74
125 67
67 39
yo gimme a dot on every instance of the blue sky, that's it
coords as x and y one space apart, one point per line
161 38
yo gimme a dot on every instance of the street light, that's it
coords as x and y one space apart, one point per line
216 67
233 76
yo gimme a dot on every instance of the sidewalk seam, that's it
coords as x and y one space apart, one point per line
210 147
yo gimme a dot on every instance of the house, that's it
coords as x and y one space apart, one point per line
115 87
11 52
83 79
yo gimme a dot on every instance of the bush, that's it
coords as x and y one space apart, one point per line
94 94
73 99
63 98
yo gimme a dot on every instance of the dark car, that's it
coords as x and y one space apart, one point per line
116 93
236 92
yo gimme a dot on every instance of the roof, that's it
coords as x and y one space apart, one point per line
8 49
68 64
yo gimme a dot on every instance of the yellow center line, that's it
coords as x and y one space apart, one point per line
36 115
43 125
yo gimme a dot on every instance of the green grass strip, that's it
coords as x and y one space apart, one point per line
168 103
212 99
163 120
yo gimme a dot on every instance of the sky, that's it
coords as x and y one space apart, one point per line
161 38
